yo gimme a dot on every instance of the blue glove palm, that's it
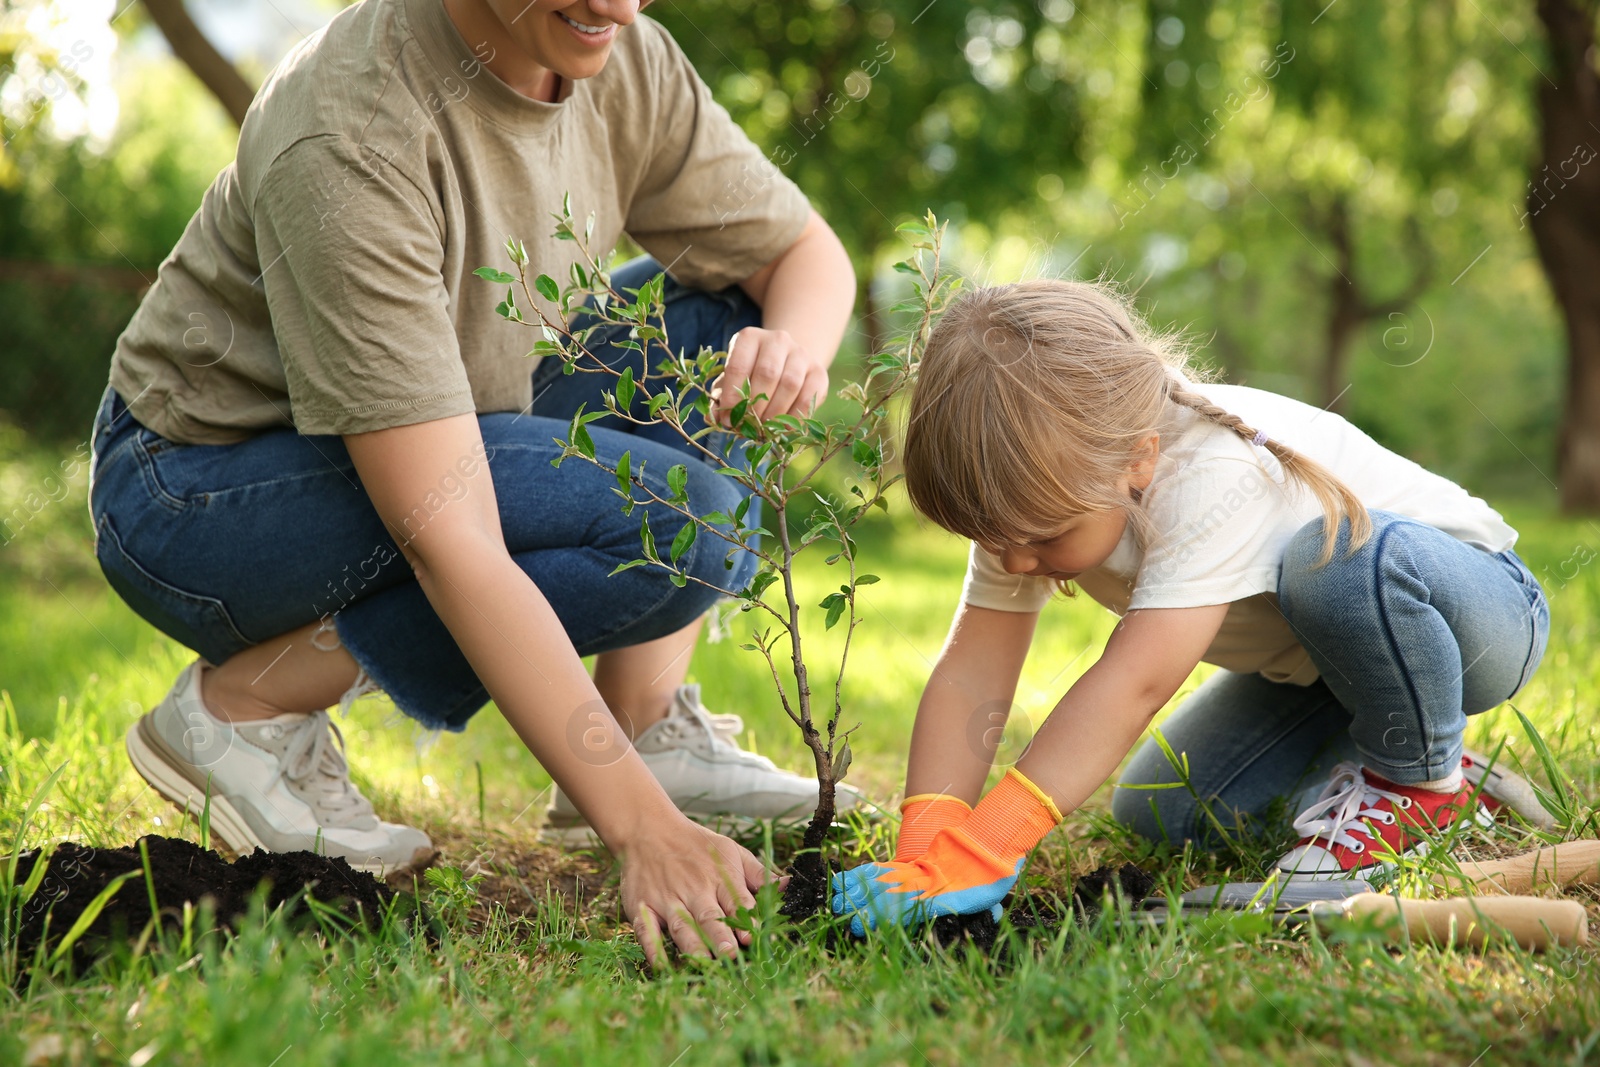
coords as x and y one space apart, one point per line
954 878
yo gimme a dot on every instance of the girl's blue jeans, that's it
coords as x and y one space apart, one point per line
225 546
1412 632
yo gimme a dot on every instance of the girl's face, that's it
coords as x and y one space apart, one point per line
1087 540
1084 543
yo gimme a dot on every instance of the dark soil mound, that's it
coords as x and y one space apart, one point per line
808 891
1040 914
180 873
808 894
1031 914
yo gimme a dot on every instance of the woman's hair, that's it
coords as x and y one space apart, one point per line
1030 405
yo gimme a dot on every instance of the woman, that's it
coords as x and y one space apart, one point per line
322 461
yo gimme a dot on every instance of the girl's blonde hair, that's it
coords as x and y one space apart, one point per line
1030 405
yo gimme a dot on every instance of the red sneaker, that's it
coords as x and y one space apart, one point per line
1357 810
1501 790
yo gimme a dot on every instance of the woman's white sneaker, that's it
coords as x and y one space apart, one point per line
280 784
692 754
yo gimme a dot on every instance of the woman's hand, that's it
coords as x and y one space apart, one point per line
771 363
685 881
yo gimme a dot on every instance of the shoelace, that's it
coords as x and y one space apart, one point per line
312 752
1348 799
715 727
726 725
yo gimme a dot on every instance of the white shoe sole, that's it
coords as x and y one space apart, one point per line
1507 787
226 822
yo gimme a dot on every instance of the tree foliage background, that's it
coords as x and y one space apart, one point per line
1333 201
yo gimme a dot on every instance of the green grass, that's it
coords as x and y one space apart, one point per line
534 968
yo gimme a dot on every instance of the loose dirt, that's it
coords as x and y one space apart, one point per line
181 873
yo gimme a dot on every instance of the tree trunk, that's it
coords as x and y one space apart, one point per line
1349 305
1564 213
201 57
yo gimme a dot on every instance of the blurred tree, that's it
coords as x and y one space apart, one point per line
83 225
884 109
197 53
1564 213
1375 116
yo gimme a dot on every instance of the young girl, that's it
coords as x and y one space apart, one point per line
1360 607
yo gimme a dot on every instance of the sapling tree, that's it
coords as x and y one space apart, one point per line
776 460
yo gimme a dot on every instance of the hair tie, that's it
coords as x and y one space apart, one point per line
1260 439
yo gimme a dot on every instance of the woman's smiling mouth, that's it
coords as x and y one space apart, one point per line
584 28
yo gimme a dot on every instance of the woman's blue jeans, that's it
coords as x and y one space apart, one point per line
1412 632
225 546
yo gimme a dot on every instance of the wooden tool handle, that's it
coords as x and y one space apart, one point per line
1533 922
1568 863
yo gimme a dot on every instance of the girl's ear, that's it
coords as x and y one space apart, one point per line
1143 469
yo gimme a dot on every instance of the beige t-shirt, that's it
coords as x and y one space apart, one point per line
326 281
1222 514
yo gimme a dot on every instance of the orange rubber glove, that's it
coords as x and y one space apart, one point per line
968 868
924 815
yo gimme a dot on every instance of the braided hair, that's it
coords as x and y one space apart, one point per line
1337 501
1034 398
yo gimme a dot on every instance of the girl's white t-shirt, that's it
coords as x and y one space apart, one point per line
1222 515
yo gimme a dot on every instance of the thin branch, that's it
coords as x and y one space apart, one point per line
783 694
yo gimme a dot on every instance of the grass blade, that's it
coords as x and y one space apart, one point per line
89 915
1558 800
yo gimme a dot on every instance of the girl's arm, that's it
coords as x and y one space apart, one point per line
677 876
1149 655
964 707
969 862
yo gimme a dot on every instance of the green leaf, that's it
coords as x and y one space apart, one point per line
678 482
841 761
677 579
548 288
866 579
684 540
648 539
625 389
718 518
835 610
623 463
499 277
628 566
